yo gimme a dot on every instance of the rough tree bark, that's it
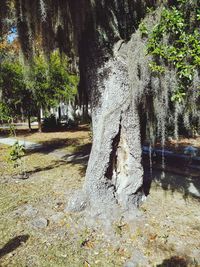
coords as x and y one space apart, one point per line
114 174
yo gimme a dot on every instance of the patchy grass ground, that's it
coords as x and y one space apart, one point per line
36 230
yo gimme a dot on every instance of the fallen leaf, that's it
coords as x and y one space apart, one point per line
86 264
152 237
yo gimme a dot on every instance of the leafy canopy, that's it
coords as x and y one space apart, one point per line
51 81
43 84
174 43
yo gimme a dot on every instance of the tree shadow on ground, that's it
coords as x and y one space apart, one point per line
55 143
147 181
67 129
55 164
80 156
13 244
169 181
24 132
80 128
187 185
19 132
175 261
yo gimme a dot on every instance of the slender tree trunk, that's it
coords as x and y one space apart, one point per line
22 115
59 112
114 174
29 122
85 116
39 121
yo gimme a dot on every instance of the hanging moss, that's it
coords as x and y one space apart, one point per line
65 23
174 44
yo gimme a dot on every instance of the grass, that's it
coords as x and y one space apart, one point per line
167 232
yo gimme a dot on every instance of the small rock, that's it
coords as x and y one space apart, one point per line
30 211
77 202
39 223
56 217
196 255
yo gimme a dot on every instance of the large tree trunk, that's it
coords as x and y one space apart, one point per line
114 174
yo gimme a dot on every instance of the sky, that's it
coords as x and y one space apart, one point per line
12 36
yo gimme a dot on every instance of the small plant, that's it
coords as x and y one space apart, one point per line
86 238
156 68
16 153
143 29
178 96
15 156
119 226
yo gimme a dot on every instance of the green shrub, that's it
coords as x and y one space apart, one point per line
16 153
50 124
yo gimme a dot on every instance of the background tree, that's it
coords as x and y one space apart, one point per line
51 82
12 85
14 91
43 84
63 84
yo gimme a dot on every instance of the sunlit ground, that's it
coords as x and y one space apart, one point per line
36 230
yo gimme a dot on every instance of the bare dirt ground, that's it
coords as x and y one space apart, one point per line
37 230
